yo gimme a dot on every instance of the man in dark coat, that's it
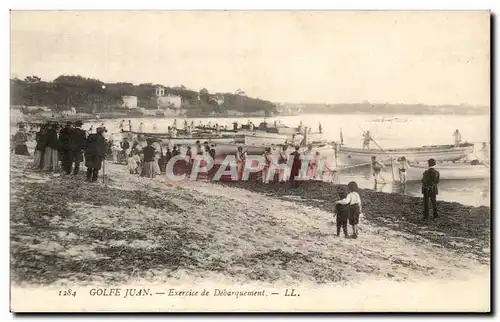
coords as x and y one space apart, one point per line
94 154
125 145
67 148
430 181
40 138
296 165
79 143
51 155
20 139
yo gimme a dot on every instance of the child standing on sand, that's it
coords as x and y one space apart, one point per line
342 213
133 162
354 201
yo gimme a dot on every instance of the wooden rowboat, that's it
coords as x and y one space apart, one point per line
352 156
447 171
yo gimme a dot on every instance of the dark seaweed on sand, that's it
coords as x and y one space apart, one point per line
466 224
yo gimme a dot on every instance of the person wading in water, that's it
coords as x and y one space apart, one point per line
403 166
430 181
377 168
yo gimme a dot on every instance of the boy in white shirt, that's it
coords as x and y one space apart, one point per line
354 201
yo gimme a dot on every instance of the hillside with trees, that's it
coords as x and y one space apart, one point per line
88 95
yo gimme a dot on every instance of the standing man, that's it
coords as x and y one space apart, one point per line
458 138
51 156
94 154
40 138
430 181
125 145
79 144
296 165
366 140
67 148
20 139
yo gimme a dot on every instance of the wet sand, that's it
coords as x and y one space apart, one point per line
65 231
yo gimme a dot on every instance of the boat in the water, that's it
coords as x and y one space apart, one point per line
447 171
353 156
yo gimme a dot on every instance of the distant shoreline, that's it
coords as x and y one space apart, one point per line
87 117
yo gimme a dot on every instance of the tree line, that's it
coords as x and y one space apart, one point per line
90 94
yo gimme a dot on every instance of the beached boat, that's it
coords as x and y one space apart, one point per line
223 149
230 148
183 139
259 137
352 156
447 171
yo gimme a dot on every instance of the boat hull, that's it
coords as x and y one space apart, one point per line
453 171
223 149
182 140
353 156
259 137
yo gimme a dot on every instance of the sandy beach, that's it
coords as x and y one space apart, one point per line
66 231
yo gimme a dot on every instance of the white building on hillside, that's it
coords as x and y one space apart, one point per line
170 101
129 102
170 104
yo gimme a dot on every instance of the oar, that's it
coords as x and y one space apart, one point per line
358 165
103 169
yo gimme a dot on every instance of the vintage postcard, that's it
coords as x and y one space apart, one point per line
250 161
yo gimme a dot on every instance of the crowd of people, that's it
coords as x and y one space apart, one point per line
64 148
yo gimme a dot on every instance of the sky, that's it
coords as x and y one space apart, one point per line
282 56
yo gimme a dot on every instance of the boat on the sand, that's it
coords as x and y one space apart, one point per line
447 171
181 139
223 149
259 137
353 156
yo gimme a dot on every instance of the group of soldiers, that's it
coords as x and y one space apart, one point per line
64 147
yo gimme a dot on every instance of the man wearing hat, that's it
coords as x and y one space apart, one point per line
20 139
67 148
430 181
80 141
94 154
